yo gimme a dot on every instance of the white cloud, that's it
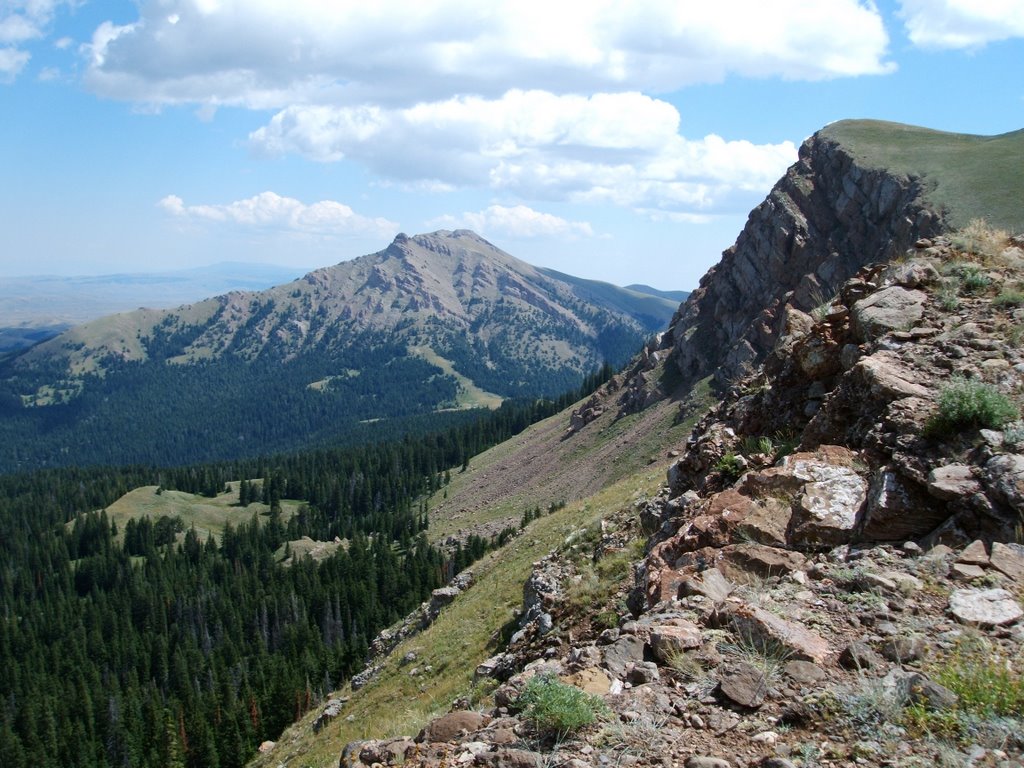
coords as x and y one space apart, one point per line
268 210
12 61
517 221
621 148
962 23
21 22
267 54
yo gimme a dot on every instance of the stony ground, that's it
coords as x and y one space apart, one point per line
833 576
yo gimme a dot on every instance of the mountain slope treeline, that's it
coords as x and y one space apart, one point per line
129 648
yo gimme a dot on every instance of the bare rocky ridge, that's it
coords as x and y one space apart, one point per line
828 578
824 220
810 609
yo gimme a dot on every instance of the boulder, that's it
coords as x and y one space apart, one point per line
744 684
675 636
886 377
1008 559
825 513
451 726
859 655
766 630
1004 478
510 758
918 689
897 510
974 554
737 561
804 672
625 651
703 761
890 309
984 607
952 482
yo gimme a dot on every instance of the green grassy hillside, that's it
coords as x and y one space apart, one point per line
966 177
600 471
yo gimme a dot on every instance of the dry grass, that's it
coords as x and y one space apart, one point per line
464 635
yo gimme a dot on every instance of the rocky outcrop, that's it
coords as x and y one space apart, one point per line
425 615
824 220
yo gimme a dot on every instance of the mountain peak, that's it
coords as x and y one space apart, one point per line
463 321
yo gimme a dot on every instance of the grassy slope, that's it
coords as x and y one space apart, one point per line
209 516
611 460
470 395
966 176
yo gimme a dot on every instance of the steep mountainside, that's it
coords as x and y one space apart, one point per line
435 322
833 573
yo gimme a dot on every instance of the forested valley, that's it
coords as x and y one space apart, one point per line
150 646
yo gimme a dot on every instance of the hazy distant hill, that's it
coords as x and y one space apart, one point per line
38 301
679 296
436 322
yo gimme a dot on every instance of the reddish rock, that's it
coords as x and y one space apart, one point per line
952 482
744 684
739 560
451 726
759 626
674 637
974 554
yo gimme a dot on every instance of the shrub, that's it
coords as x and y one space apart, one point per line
556 708
967 404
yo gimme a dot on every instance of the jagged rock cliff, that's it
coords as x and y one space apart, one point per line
825 219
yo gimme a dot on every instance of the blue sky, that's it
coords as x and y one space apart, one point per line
621 141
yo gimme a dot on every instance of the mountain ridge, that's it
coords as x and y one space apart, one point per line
430 323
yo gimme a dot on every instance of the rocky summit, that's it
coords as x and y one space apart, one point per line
832 572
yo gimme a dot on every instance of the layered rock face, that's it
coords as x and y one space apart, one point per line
823 221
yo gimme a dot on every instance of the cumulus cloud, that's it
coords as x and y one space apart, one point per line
21 22
517 221
622 148
12 61
269 210
962 23
265 54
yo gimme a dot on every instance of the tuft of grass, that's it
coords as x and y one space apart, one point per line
967 277
986 684
601 578
558 709
764 653
980 240
1010 297
949 295
729 466
968 404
